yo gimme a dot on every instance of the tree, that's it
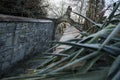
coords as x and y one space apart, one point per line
94 12
27 8
57 10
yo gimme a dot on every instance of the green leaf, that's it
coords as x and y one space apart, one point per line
114 68
93 22
87 57
95 75
57 63
117 76
107 21
89 64
110 49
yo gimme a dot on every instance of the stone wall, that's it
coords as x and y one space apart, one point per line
21 37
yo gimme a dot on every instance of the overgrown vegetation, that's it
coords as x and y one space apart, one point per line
95 57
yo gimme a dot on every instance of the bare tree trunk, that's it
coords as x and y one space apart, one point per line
94 12
81 8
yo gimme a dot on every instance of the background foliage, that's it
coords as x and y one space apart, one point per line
26 8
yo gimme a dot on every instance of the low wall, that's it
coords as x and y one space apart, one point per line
22 36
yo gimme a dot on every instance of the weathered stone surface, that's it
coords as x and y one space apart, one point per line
5 65
19 38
